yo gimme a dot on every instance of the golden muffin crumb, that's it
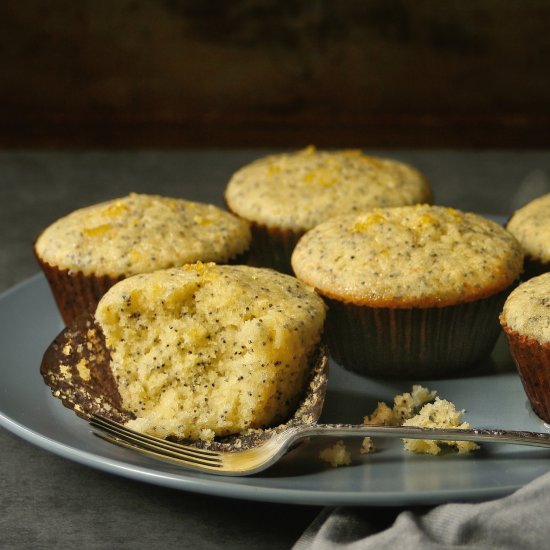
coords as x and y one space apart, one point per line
337 455
527 309
367 446
412 408
440 414
141 233
416 409
206 350
297 191
531 227
411 256
405 406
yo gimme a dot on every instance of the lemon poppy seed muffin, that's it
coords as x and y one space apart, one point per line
408 256
285 195
87 251
525 321
413 290
207 350
531 226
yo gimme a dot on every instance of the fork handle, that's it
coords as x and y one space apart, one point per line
538 439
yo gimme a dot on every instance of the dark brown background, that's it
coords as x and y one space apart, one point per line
167 73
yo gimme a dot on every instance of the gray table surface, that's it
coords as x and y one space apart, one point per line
49 502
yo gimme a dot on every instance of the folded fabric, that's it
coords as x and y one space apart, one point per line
519 520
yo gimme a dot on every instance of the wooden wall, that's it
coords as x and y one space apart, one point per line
168 73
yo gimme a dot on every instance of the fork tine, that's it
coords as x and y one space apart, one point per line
118 433
181 461
124 430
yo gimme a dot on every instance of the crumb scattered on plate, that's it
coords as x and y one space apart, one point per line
420 407
405 406
439 414
337 455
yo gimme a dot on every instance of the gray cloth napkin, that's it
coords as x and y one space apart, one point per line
518 521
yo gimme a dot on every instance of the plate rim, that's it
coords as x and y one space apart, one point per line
195 482
211 484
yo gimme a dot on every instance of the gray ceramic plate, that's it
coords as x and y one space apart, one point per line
492 396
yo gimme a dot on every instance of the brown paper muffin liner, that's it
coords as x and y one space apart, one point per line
532 361
272 247
74 292
413 343
76 367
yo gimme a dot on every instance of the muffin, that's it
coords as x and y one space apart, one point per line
285 195
531 227
196 352
412 291
85 253
525 320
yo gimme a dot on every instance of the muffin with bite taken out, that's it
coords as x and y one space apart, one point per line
193 353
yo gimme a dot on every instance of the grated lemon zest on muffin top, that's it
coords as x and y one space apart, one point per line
140 233
418 255
115 209
300 190
98 230
367 222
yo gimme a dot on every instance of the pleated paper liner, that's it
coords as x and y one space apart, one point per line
272 247
76 293
413 343
532 361
76 367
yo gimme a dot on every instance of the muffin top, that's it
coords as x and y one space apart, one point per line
141 233
410 256
207 350
300 190
531 227
527 309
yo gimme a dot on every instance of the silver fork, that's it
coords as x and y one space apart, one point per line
256 459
